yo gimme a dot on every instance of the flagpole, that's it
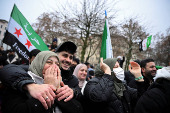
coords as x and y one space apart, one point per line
105 14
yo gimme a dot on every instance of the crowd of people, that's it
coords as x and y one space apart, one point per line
56 82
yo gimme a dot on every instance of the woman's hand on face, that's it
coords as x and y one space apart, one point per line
135 69
52 76
104 67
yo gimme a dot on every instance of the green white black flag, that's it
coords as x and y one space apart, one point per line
21 36
144 45
106 47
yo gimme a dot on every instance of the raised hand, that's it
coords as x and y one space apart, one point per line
135 69
104 67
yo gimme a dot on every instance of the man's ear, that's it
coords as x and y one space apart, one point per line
143 70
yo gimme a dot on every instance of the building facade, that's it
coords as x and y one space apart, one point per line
3 28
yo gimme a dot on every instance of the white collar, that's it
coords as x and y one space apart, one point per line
37 79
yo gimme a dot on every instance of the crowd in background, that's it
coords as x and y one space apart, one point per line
56 81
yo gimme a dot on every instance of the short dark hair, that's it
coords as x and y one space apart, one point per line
91 66
86 63
144 62
91 72
76 59
34 52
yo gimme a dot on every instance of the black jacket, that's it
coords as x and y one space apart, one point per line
121 62
99 92
13 60
3 58
133 83
129 76
72 82
18 102
156 99
15 76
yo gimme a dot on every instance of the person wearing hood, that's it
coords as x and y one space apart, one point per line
107 92
44 69
157 97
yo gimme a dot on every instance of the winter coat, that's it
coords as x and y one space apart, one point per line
102 99
15 76
3 57
156 99
133 83
72 82
129 76
18 102
13 60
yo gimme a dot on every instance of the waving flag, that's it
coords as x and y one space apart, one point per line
21 36
106 48
144 45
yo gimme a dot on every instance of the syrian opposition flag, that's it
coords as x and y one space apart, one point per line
106 48
144 45
21 36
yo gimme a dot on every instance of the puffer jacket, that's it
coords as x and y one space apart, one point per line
156 99
102 99
15 76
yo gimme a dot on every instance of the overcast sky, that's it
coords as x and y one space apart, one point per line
154 13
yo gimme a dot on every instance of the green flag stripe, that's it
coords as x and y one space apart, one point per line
31 34
149 41
103 46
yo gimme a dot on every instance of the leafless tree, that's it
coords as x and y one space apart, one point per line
48 26
87 18
132 32
162 49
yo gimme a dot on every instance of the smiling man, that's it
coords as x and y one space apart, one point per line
148 69
65 52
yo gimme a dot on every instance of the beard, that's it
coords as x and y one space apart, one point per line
150 74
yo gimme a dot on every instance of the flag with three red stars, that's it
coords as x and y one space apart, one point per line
21 36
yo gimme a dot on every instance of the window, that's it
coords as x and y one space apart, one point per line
1 26
0 32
